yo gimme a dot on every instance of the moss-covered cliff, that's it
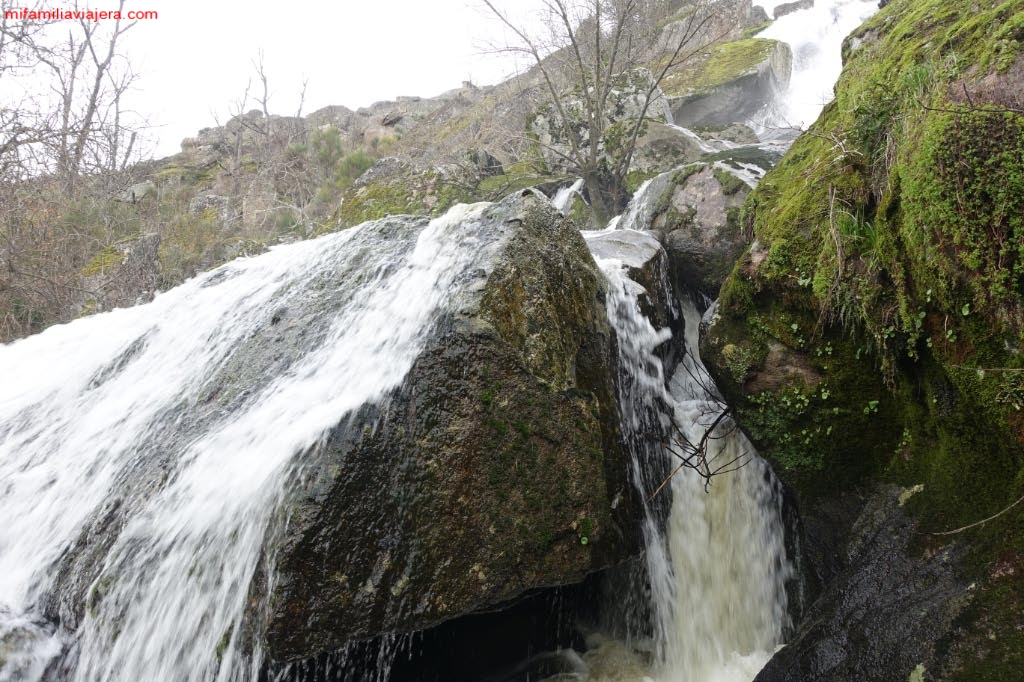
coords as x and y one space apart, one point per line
873 332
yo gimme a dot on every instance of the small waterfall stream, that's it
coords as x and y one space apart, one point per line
718 567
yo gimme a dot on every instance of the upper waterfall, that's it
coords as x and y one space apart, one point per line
815 36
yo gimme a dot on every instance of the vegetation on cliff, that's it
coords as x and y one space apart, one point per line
874 329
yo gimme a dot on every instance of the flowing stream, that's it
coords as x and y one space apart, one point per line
95 408
717 565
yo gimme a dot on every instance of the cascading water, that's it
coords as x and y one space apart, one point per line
718 569
814 35
102 405
99 407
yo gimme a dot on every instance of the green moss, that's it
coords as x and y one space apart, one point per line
729 182
108 258
725 62
754 30
635 178
189 244
963 207
516 178
417 193
891 234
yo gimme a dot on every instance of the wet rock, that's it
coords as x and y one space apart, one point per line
702 235
492 470
752 78
782 367
790 7
885 611
647 264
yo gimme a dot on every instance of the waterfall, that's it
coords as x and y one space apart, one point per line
149 429
564 196
727 549
718 568
815 36
146 425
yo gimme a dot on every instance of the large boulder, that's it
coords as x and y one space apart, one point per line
698 215
661 147
885 608
731 84
492 470
880 344
495 467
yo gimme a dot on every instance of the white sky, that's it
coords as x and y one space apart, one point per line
195 60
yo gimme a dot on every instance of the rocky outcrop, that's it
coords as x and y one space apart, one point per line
662 146
494 469
393 186
884 609
857 348
647 264
790 7
732 84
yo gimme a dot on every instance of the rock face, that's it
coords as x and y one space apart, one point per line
884 608
734 83
790 7
647 263
698 218
857 354
662 146
495 468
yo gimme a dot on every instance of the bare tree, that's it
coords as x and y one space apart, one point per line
589 51
71 120
62 125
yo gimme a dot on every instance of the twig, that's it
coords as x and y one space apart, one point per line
978 523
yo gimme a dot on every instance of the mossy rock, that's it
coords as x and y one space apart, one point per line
887 258
496 467
396 188
730 83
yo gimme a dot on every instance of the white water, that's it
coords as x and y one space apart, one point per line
718 569
563 197
815 36
86 405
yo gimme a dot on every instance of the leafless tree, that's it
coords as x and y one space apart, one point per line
74 122
586 51
62 124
